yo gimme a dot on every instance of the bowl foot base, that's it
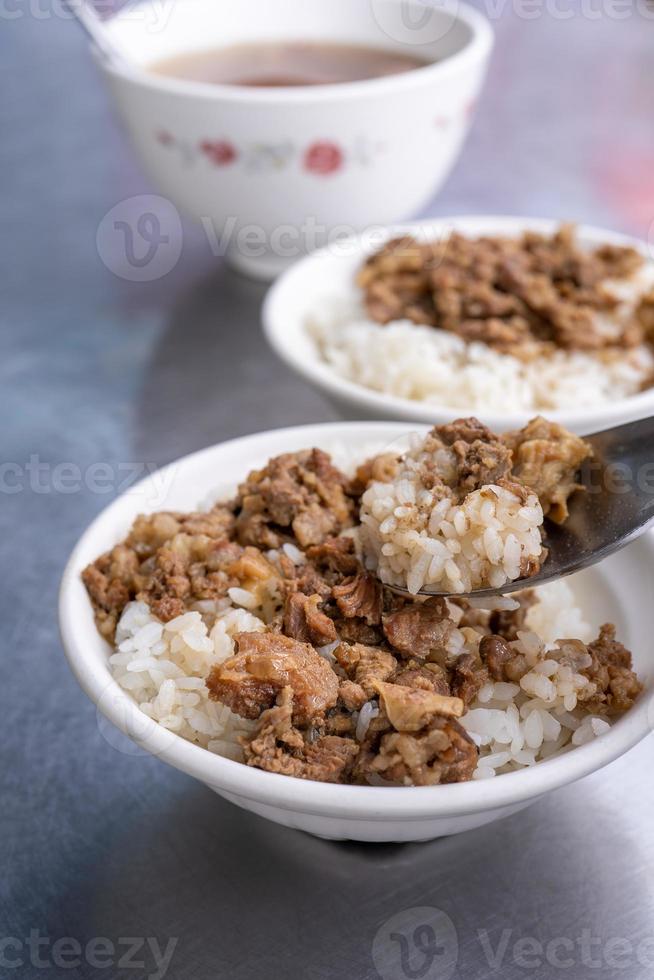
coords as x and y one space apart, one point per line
374 829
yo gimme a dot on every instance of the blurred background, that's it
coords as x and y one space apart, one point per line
99 842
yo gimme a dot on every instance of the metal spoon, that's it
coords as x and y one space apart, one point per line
85 15
616 506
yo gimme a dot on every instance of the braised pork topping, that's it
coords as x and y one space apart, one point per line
523 295
347 681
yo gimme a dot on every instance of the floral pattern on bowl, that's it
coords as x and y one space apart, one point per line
322 157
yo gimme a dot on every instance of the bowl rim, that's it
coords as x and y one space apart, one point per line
476 49
321 375
287 792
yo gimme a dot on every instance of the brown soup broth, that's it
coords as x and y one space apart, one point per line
294 63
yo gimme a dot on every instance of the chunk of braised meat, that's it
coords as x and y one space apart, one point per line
304 620
508 335
334 557
422 676
365 665
357 631
443 753
352 695
111 582
617 260
195 568
264 664
608 651
507 622
479 456
480 463
296 494
360 597
611 670
401 254
547 458
468 430
303 578
560 308
394 283
421 630
572 653
341 721
168 586
167 559
577 329
502 661
150 532
461 457
382 468
468 677
410 709
248 565
277 746
645 315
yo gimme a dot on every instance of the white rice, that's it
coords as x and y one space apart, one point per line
517 725
413 539
164 666
423 364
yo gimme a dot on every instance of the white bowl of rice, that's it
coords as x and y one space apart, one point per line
617 591
315 320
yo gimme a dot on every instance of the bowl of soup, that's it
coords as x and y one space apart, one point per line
286 127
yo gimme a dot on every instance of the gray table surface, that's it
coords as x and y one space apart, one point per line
100 844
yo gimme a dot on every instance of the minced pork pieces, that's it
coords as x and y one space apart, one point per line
349 682
515 294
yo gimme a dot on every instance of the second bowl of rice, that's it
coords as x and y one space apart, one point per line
315 318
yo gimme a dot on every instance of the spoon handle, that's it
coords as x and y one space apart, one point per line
93 27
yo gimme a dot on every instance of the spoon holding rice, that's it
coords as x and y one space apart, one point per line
614 506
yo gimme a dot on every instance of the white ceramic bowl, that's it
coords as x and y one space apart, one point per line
618 591
272 172
329 274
